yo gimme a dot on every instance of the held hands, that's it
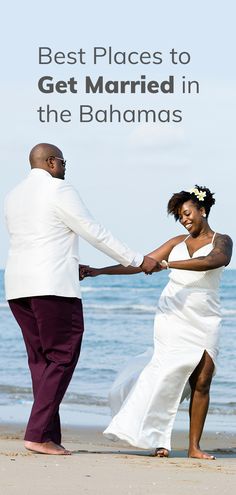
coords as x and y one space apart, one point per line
149 265
87 271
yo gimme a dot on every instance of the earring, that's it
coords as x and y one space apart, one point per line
204 215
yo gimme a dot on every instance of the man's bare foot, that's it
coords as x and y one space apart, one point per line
199 454
161 452
46 448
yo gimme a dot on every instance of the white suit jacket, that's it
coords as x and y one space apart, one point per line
44 217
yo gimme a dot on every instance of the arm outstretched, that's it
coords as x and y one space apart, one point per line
219 256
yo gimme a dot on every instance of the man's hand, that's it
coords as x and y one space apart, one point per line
149 265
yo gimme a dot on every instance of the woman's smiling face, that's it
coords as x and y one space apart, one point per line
191 217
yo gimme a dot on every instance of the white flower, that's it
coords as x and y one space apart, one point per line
200 194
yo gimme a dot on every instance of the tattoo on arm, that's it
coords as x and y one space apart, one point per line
224 245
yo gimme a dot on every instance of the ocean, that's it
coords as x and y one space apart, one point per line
119 313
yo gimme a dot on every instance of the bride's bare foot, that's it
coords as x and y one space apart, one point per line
161 452
197 453
46 448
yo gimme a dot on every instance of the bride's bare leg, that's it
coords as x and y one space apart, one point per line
200 382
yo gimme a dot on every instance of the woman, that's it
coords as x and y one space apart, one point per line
185 331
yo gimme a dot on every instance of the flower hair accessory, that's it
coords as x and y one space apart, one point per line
200 194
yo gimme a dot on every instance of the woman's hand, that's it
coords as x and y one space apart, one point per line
88 271
93 272
82 271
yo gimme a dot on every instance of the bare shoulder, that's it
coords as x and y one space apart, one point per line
177 239
173 241
223 239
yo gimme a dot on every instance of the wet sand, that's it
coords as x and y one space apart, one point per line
98 466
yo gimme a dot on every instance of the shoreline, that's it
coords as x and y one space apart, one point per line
73 415
98 466
222 442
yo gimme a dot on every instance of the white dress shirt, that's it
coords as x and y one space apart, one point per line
45 216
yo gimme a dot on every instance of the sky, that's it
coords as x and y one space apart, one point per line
125 172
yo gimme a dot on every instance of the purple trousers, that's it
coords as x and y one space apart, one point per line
52 329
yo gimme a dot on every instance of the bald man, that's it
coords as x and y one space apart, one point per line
45 216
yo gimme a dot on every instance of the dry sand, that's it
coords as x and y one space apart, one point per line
100 467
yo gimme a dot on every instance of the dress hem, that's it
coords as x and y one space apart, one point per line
121 436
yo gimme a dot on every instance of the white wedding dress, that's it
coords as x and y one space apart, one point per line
145 400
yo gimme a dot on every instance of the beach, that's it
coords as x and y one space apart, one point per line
98 466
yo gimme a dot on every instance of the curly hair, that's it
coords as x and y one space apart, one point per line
178 199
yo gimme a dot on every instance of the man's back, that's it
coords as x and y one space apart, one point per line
43 257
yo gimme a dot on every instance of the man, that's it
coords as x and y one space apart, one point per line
44 217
